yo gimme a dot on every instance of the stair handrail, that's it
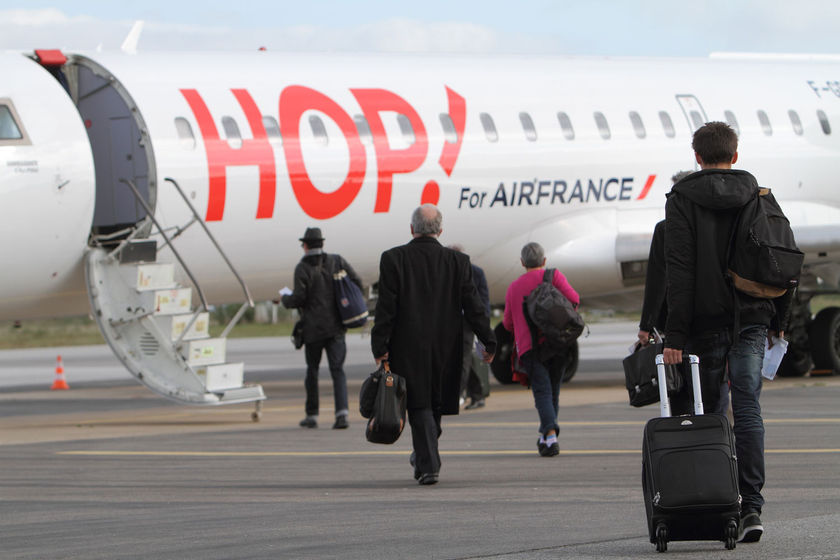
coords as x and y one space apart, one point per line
215 243
150 214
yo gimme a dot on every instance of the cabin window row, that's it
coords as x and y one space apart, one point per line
401 123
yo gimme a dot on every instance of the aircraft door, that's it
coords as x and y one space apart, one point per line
119 142
693 111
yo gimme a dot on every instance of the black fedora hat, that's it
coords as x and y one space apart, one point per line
312 234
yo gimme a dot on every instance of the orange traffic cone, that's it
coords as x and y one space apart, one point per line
60 382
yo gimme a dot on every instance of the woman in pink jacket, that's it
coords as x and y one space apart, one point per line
544 375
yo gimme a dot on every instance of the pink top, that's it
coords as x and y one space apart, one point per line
514 320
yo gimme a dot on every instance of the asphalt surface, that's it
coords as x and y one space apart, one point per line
109 470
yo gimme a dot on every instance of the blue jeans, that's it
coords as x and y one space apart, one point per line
545 380
336 352
715 349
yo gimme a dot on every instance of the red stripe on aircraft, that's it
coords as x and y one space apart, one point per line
647 187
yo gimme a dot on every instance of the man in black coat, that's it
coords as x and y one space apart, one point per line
322 327
424 291
704 308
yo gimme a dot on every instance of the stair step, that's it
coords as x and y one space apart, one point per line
139 251
168 302
222 376
250 393
175 325
206 351
154 277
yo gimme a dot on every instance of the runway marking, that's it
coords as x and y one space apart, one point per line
457 424
461 453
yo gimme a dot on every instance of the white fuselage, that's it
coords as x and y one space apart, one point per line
551 173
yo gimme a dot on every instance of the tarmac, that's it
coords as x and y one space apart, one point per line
109 470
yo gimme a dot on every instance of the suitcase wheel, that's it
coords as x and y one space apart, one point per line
731 534
661 538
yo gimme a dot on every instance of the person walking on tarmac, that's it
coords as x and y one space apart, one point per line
700 213
544 372
321 323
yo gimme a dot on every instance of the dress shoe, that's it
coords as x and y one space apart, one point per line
550 450
341 423
474 403
428 478
541 446
309 422
412 459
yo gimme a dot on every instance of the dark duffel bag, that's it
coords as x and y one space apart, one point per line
383 401
640 375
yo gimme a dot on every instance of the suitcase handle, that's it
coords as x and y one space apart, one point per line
664 403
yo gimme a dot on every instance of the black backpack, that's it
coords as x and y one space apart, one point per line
763 259
549 312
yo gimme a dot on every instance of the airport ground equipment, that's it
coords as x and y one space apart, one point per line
148 320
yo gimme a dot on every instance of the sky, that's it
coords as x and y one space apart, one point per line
578 27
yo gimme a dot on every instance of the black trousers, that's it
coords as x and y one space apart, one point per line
425 431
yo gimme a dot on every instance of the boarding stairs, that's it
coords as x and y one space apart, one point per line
148 320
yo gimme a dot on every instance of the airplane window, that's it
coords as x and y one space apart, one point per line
232 134
363 128
795 122
272 130
638 125
405 128
8 127
765 123
528 126
826 127
319 131
449 133
603 127
566 125
185 133
732 121
667 124
489 127
12 131
697 119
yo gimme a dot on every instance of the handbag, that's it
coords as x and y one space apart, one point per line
383 400
297 335
640 375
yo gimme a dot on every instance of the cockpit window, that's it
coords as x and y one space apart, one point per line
10 131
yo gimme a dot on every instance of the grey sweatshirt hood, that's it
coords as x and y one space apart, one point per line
718 189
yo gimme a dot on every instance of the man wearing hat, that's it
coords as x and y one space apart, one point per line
322 328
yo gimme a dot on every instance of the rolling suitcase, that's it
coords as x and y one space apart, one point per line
689 472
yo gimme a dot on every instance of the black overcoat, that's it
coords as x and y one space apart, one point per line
424 288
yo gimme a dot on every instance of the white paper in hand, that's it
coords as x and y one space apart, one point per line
285 291
773 356
479 348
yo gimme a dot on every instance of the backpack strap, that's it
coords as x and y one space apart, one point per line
548 276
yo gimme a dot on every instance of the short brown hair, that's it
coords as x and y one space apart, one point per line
715 142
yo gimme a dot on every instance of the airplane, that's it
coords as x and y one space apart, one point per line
127 176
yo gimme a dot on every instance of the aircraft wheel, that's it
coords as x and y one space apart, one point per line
825 339
572 360
500 366
795 364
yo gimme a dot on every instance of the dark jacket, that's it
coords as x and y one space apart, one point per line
700 214
480 281
654 308
313 295
423 290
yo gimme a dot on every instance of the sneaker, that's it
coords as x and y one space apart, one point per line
475 403
550 450
428 479
309 422
751 528
341 423
541 445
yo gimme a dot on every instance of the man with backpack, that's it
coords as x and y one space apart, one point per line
707 316
544 366
323 329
